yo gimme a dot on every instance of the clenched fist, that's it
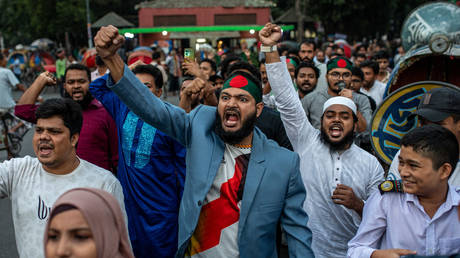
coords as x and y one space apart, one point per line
195 87
270 34
47 78
108 41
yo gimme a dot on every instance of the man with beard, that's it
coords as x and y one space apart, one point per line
269 121
98 142
371 86
306 77
338 175
34 184
238 184
338 80
307 50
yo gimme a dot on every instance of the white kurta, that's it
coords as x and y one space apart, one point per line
332 225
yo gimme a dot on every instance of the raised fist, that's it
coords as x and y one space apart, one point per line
270 34
195 87
108 41
47 78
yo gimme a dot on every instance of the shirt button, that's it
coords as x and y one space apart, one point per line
199 203
336 179
338 158
337 168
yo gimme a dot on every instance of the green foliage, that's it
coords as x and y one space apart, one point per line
23 21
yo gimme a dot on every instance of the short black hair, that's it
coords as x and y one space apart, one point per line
360 55
382 54
456 117
434 142
156 55
67 109
240 65
371 64
153 71
307 65
356 71
226 63
213 78
293 52
211 63
262 62
99 61
78 67
308 42
361 46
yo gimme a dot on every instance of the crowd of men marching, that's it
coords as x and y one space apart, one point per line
257 156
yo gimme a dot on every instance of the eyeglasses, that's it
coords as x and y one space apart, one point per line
336 75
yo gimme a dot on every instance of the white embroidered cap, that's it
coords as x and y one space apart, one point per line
340 101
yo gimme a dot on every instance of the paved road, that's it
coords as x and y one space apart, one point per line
7 239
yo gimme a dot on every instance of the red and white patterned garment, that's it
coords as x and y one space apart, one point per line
216 234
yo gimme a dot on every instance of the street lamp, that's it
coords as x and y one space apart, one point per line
88 20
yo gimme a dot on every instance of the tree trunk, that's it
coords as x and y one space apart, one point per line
300 16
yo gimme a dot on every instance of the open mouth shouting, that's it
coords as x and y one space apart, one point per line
336 130
45 149
77 94
231 118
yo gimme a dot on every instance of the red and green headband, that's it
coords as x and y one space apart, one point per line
291 61
238 80
339 62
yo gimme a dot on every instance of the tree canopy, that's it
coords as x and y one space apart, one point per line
357 19
22 21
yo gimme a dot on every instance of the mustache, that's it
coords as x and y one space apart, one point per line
42 144
232 110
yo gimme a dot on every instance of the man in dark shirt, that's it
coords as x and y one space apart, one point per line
98 142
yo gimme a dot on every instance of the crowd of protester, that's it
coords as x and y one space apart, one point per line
267 150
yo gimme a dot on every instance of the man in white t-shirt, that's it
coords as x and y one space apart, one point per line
371 86
34 184
8 82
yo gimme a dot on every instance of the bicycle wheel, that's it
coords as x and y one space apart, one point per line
14 145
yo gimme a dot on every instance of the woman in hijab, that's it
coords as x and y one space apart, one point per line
87 222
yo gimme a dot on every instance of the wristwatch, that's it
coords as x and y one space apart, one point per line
267 49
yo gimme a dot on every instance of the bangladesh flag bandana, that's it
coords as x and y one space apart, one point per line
292 61
239 80
339 62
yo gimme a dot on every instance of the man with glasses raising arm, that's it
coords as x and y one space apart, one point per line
338 78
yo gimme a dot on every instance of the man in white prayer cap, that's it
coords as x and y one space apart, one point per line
338 175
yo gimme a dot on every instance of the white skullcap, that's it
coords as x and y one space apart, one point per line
340 101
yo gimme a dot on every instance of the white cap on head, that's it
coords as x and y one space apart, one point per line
340 101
